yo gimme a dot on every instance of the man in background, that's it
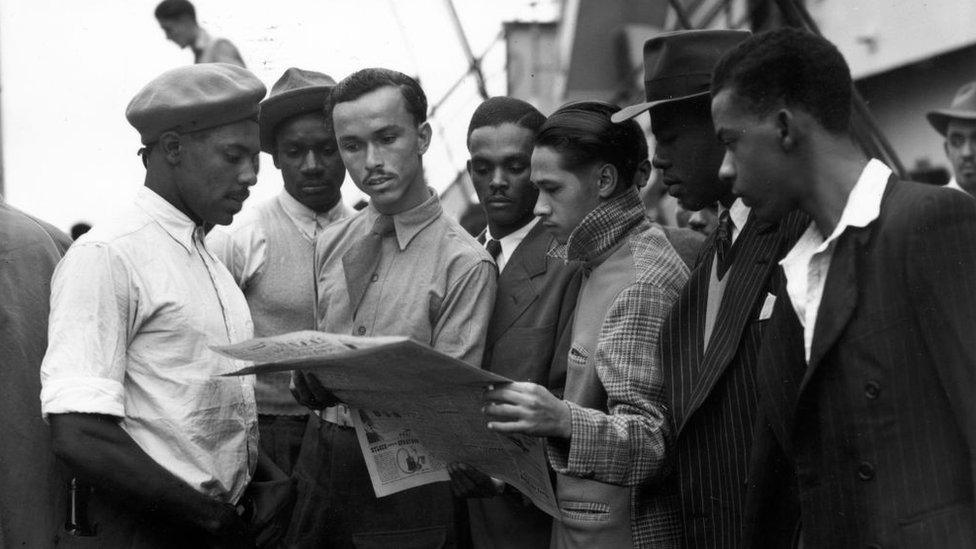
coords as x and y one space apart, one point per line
957 125
271 252
178 19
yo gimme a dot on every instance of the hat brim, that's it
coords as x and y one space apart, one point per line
940 118
627 113
277 108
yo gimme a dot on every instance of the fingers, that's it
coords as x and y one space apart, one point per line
521 427
515 393
299 389
505 412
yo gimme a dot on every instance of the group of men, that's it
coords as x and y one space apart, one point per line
803 376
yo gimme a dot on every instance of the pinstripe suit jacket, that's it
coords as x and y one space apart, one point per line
712 390
880 428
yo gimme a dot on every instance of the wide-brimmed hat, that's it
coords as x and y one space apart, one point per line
963 107
678 65
297 91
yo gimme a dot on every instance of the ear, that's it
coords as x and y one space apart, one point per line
274 159
945 146
786 129
171 145
643 173
423 131
607 180
467 166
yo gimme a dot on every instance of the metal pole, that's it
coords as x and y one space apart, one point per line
679 10
473 62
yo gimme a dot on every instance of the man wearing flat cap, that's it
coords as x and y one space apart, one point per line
161 446
958 125
270 251
711 336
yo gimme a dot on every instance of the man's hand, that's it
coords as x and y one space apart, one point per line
309 391
528 409
468 482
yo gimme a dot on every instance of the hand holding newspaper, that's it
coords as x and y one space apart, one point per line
415 409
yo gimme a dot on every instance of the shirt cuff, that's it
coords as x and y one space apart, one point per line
85 395
571 457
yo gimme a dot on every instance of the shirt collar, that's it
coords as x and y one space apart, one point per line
408 224
738 214
864 202
953 184
602 229
173 221
306 218
513 239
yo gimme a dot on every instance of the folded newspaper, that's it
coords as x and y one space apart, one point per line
414 409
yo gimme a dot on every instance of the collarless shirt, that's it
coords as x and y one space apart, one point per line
510 242
434 283
808 262
136 304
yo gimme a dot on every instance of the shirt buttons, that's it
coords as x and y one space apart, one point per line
361 330
872 389
374 278
865 471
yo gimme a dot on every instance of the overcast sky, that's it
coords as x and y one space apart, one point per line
68 70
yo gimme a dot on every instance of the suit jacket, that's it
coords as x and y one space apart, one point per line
528 340
712 389
880 428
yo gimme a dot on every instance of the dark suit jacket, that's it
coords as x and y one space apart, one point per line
686 242
712 391
529 336
880 428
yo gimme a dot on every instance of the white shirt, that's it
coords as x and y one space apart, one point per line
509 242
808 262
135 304
738 214
242 246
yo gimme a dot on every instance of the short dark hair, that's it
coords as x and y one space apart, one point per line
790 66
496 111
174 9
364 81
584 134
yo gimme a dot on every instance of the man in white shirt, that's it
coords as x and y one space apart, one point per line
271 251
161 446
958 125
868 372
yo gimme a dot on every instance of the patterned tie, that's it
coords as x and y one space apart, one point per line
363 258
723 244
494 247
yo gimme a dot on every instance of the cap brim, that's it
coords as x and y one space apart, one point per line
291 103
627 113
940 118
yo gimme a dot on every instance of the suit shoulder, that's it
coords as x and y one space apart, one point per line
908 204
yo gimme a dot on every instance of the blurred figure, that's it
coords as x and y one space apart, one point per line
178 19
271 251
958 125
31 489
79 229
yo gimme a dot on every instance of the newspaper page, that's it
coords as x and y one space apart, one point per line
414 388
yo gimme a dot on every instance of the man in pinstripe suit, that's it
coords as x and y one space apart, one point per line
709 341
868 368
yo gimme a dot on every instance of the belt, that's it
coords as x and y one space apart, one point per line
338 414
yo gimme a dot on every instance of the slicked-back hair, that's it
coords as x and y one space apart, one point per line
365 81
496 111
174 9
583 135
792 67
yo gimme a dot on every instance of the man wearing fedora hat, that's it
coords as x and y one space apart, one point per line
161 445
958 125
270 251
711 336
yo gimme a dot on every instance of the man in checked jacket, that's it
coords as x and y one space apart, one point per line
608 440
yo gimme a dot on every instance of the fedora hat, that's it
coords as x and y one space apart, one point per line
963 107
297 91
678 65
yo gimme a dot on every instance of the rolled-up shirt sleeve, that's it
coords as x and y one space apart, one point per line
84 367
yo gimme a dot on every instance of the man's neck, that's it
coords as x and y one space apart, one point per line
727 200
833 173
168 192
499 232
414 196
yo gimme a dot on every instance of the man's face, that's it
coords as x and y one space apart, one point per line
500 165
564 197
960 147
216 170
308 157
687 153
754 161
381 146
181 31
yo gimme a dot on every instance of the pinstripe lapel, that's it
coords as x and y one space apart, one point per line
754 261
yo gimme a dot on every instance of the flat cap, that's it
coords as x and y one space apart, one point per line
298 91
193 98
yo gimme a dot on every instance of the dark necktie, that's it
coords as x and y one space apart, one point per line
363 258
723 244
494 247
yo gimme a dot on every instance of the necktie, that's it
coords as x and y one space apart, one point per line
494 247
363 258
723 244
